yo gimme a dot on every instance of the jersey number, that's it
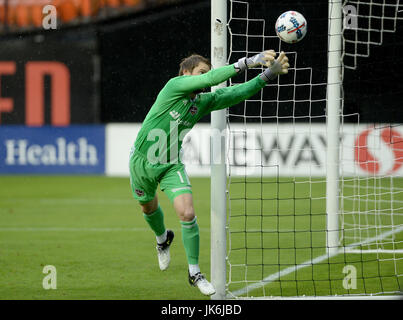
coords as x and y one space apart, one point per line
181 178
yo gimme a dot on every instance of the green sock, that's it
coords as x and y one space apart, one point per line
156 221
191 240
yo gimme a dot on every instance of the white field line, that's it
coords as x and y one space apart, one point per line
83 229
373 251
308 263
68 229
69 201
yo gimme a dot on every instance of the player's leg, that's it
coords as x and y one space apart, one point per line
144 190
177 186
154 216
183 205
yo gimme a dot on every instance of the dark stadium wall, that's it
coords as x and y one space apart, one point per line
140 55
50 78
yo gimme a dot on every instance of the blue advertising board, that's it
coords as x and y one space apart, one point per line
77 149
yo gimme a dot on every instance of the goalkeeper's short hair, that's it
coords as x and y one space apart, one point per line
192 62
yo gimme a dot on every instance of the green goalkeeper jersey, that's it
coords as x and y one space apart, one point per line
174 112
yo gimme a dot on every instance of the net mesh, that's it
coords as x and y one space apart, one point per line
276 161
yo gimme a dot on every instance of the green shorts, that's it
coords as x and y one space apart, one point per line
145 177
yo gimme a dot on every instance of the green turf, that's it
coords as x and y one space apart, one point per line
278 225
93 232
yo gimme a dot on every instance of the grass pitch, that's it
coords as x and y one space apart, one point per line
93 232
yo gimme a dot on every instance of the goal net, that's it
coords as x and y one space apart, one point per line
315 160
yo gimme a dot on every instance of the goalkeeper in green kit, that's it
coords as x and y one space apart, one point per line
155 156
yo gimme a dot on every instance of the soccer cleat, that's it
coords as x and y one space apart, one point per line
200 281
163 251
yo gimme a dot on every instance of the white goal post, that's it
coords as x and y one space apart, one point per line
217 159
333 124
280 233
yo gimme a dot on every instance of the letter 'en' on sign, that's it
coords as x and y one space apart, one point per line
60 93
6 68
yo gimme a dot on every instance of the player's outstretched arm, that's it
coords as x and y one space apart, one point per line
188 84
229 96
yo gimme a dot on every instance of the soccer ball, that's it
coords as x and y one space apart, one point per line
291 27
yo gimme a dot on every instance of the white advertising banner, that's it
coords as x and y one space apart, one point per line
271 150
118 140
